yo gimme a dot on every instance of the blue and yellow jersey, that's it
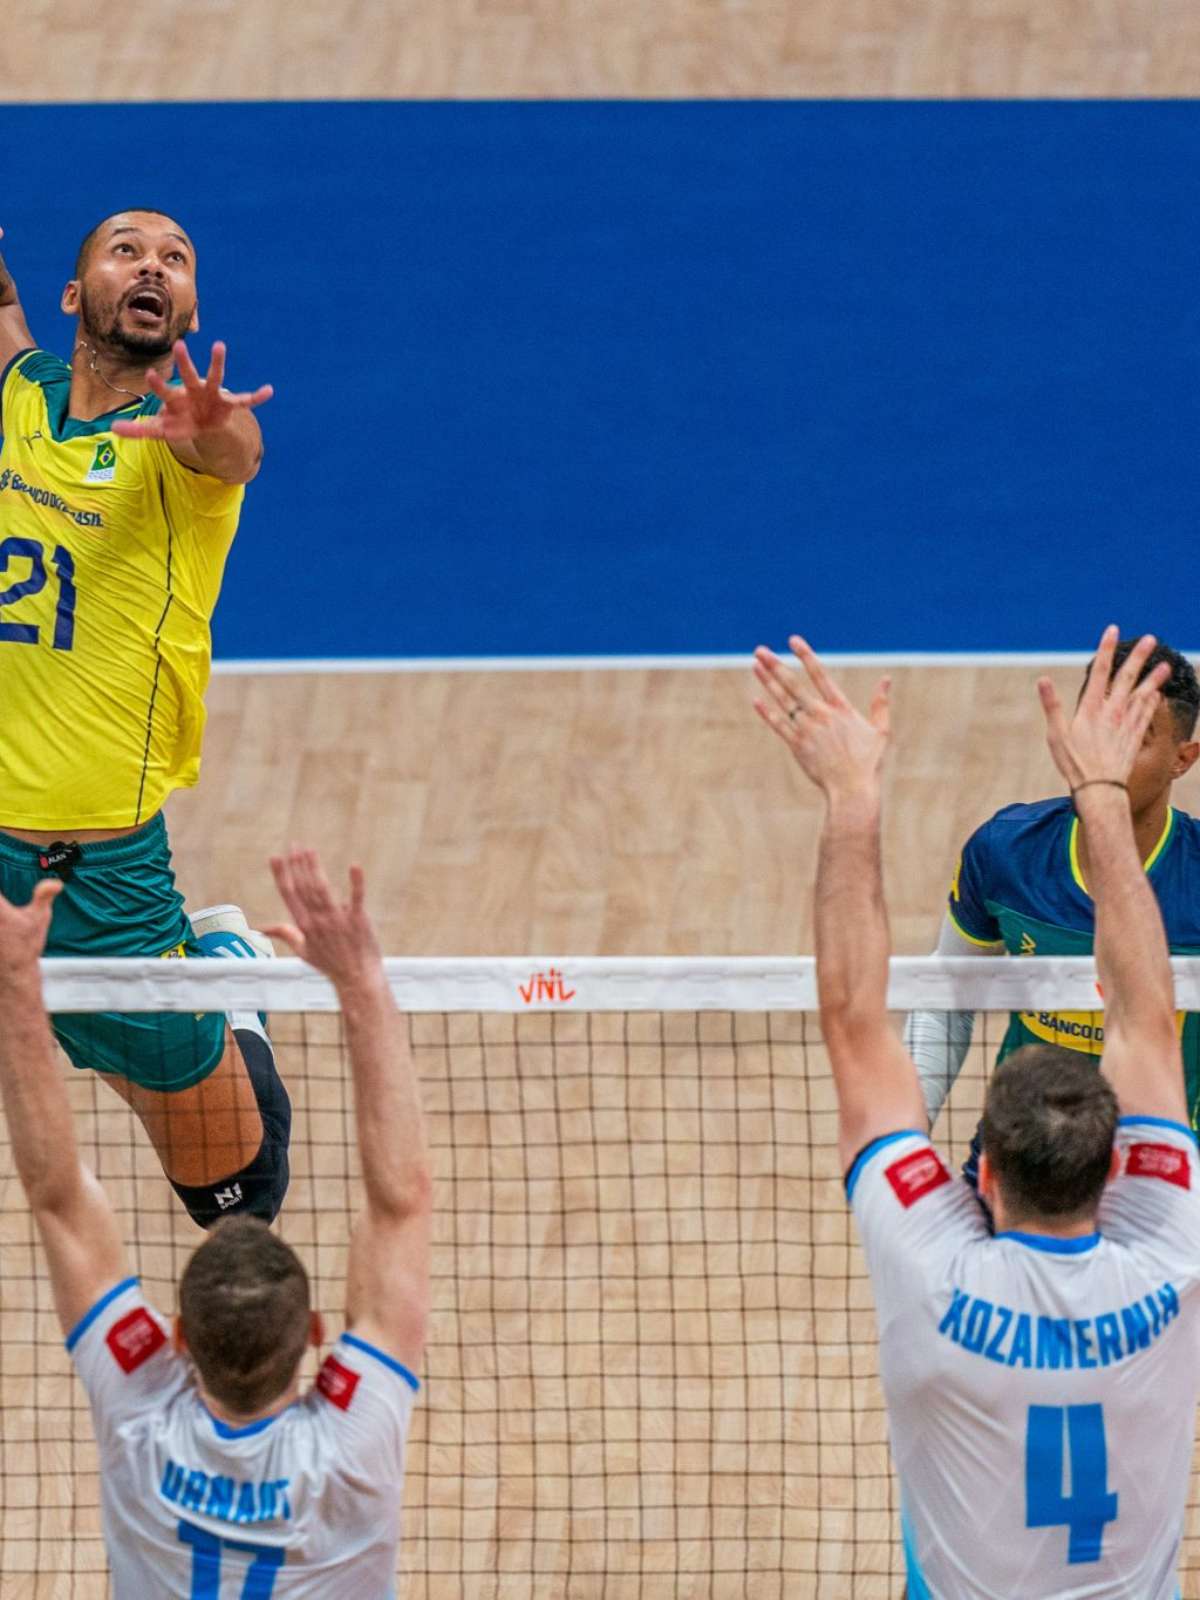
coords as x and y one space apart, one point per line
111 556
1019 882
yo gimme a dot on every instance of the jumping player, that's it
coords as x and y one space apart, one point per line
1041 1383
119 498
1023 882
218 1476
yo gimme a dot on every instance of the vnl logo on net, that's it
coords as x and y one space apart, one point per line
546 988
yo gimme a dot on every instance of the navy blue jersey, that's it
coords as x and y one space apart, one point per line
1019 883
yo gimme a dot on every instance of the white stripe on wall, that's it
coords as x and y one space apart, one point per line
650 663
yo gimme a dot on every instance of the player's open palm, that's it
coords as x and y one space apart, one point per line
195 406
23 929
334 936
838 748
1102 739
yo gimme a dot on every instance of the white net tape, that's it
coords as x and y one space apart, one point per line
564 983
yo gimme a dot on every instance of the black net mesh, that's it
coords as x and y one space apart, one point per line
652 1362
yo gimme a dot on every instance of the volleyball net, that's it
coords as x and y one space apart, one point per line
652 1366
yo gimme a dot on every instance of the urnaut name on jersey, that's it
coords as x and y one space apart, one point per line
1024 1339
47 497
226 1498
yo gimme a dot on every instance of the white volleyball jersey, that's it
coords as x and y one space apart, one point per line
302 1506
1041 1392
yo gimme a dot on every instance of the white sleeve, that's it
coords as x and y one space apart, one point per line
370 1399
124 1357
938 1041
912 1215
1153 1204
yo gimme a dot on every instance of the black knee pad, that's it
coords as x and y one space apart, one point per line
258 1190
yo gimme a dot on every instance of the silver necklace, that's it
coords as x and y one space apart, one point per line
115 387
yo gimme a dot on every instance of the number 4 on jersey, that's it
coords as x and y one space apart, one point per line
1089 1505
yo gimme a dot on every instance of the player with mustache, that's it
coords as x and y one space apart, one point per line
120 492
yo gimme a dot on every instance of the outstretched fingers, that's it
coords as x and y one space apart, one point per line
785 688
46 892
1056 722
1126 678
818 677
879 713
1100 671
320 890
287 933
285 882
1057 737
358 889
780 724
1143 702
248 399
216 369
192 380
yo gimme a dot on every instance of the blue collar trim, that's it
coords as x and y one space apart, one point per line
224 1431
1052 1244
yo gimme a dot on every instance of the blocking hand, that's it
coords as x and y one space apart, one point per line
1103 738
23 929
839 749
335 937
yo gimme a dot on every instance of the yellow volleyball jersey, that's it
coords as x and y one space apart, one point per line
111 556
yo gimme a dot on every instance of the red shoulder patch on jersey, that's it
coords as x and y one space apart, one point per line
134 1339
916 1175
1163 1161
337 1383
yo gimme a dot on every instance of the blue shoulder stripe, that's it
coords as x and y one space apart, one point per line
1158 1122
105 1300
390 1362
868 1150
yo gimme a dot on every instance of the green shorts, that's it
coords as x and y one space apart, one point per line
121 900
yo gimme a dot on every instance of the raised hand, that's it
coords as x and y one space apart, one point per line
1101 742
838 748
336 938
23 929
194 408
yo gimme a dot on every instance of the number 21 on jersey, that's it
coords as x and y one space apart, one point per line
13 550
1089 1505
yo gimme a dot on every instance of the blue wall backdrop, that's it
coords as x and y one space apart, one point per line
591 378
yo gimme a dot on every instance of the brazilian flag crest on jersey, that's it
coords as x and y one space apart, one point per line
104 463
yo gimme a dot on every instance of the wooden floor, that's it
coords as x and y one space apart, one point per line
599 813
549 49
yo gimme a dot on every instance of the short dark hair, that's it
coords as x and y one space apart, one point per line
89 238
244 1310
1181 690
1048 1125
